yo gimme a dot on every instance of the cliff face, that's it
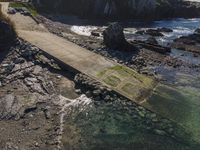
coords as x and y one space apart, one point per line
102 8
147 9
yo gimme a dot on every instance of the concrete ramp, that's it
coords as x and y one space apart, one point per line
123 80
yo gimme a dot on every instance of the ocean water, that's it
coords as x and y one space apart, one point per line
109 126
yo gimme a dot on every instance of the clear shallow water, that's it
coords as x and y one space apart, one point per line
186 56
112 126
178 98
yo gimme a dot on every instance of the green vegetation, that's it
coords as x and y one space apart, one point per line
28 6
129 88
129 82
112 80
126 72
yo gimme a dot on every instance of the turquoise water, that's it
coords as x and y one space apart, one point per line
180 101
114 125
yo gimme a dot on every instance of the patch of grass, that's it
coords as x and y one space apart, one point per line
102 73
29 7
125 71
112 80
130 89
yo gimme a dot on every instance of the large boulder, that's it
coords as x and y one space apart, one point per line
114 36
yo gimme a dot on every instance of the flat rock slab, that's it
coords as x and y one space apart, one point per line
119 78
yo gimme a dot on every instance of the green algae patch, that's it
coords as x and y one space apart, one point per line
127 82
112 80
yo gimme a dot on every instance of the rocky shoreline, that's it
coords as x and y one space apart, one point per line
39 97
31 85
148 54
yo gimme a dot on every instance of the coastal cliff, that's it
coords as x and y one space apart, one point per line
115 9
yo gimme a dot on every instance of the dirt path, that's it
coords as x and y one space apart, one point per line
23 22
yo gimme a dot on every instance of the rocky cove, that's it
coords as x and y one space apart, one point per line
47 105
35 90
177 70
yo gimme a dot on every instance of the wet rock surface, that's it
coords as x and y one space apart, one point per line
188 43
155 32
114 36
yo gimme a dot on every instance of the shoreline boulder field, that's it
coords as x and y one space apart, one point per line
86 74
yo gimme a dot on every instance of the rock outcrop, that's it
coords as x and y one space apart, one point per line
114 38
139 9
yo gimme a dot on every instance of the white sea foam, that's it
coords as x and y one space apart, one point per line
68 106
83 30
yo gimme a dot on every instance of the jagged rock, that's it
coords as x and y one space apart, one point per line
19 61
164 29
152 40
88 94
9 68
47 114
114 38
94 33
9 107
153 32
197 31
96 92
140 32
